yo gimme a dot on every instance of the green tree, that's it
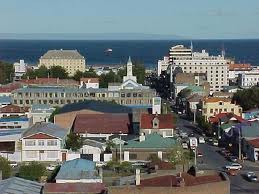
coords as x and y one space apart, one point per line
5 167
34 171
58 72
139 71
41 72
56 111
6 72
105 79
74 141
90 73
109 145
184 93
78 75
205 126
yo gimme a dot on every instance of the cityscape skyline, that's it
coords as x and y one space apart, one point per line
197 20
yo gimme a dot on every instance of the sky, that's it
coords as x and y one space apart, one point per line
197 19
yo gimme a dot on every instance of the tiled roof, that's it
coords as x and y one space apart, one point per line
17 185
152 141
13 109
77 169
40 108
166 121
62 54
233 67
254 142
102 123
224 117
79 188
171 180
13 119
46 128
9 87
89 80
195 98
216 99
98 106
55 81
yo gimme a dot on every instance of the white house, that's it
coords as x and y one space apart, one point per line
44 142
40 112
89 82
19 70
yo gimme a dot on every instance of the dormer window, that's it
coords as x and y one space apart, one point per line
155 123
220 103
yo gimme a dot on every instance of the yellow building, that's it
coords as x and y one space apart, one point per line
213 106
70 60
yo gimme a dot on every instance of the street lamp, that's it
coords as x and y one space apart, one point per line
120 148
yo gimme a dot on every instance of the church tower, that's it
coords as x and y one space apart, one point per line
129 75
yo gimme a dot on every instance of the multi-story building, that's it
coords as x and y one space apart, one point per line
214 67
71 60
162 65
236 69
128 93
213 106
248 79
19 70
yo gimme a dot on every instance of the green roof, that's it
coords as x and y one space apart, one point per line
226 126
195 88
152 141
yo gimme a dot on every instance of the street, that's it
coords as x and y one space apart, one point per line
212 160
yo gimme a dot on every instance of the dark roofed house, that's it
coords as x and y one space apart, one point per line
163 124
13 110
251 148
101 125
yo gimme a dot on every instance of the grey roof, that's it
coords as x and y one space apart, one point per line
40 108
62 54
5 99
17 185
93 143
105 107
77 169
46 128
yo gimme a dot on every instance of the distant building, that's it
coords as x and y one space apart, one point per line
212 106
6 90
89 82
5 100
71 60
44 142
13 111
14 123
19 70
248 79
236 69
162 65
41 113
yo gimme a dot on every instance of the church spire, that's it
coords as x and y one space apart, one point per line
129 67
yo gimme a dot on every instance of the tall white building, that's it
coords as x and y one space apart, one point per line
162 65
248 79
19 70
214 67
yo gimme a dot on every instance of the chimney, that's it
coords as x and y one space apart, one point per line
142 137
137 176
1 175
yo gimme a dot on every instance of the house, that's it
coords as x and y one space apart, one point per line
210 182
141 148
251 114
93 150
251 148
14 111
223 94
17 185
41 113
19 70
72 188
6 90
44 142
213 105
79 171
67 114
5 100
161 124
89 82
11 122
101 125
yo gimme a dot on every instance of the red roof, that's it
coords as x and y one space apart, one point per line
89 80
233 67
74 188
56 81
13 109
171 180
254 142
166 121
9 87
216 118
102 123
40 136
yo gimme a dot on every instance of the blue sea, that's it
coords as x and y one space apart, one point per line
244 51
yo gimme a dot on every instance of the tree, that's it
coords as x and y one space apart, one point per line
184 93
78 75
90 73
205 126
139 71
34 171
5 167
56 111
58 72
109 145
6 72
74 141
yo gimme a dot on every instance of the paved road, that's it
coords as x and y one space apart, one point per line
213 160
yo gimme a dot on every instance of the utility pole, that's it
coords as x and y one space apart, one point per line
120 148
195 157
194 116
239 144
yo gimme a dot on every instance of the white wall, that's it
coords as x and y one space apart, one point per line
16 156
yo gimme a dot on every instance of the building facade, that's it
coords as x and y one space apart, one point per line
215 67
71 60
248 79
19 70
162 65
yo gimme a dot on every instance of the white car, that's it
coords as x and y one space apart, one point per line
51 167
100 164
201 140
215 143
13 164
233 166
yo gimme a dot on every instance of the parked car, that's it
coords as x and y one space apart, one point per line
233 166
201 140
100 164
13 164
215 142
251 176
232 172
51 167
199 154
233 158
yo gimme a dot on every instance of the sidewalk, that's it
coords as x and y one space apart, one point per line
251 163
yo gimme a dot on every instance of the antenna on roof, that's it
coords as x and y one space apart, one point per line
191 47
223 52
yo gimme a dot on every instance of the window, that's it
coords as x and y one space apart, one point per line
30 143
135 95
41 142
220 103
123 95
52 143
232 110
132 156
52 154
31 154
128 95
211 110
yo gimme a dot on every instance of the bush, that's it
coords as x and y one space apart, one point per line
5 167
34 171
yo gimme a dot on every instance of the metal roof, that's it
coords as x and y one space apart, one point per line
46 128
13 119
40 108
62 54
5 99
17 185
77 169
